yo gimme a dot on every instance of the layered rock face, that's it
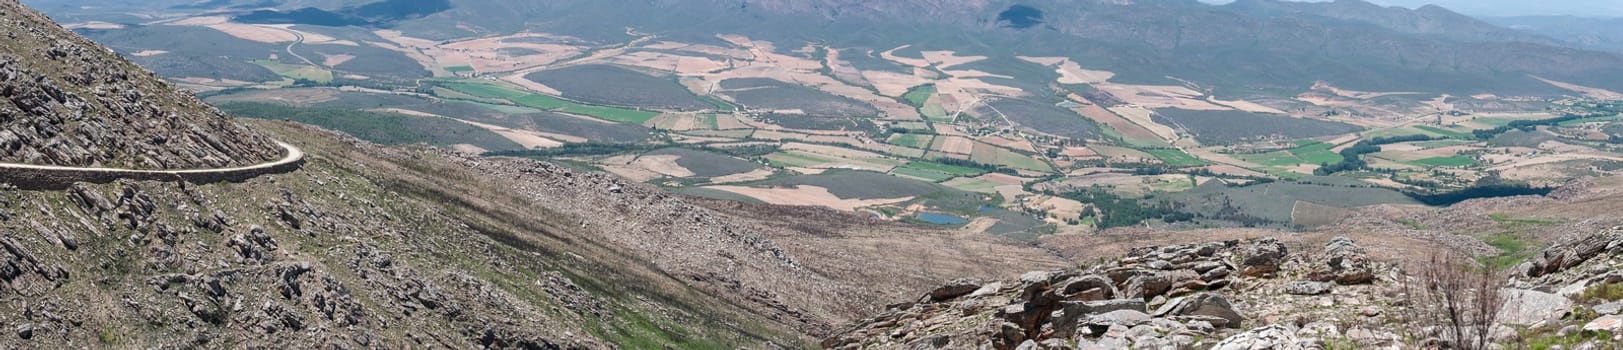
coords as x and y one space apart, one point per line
66 101
1187 296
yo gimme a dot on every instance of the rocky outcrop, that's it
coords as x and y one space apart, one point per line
66 101
1273 337
1343 262
1563 256
1186 296
1154 297
1262 258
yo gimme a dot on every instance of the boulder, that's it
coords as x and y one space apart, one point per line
1076 313
1130 318
1261 258
1609 323
1308 288
1570 254
1272 337
1527 307
1211 305
1087 288
1611 308
1344 262
1146 285
955 288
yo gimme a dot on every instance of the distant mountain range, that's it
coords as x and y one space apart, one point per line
1245 48
1589 33
1233 49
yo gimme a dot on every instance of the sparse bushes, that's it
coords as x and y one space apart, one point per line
1602 293
1453 303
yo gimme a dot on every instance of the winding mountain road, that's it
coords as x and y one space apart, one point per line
31 176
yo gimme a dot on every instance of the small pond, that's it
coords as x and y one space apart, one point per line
942 219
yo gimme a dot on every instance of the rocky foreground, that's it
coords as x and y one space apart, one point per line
1255 294
66 101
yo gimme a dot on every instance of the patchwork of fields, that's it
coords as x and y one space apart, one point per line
904 133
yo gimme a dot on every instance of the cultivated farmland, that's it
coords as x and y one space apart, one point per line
611 85
1232 126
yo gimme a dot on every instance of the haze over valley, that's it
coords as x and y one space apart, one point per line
853 174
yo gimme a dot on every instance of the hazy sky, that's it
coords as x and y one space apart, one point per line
1502 8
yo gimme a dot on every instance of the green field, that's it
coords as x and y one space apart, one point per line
935 113
1447 133
973 185
710 120
1308 152
1175 157
922 174
459 69
919 97
946 169
484 90
1401 131
296 71
785 160
1455 161
911 140
988 154
919 94
1309 147
552 103
606 113
1591 120
720 104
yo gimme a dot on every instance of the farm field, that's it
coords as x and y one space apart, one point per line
297 72
1446 132
611 85
1454 161
988 154
1175 157
553 104
1229 127
993 140
919 141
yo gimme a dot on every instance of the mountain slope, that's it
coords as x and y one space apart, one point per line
1426 20
67 101
1590 33
368 246
372 246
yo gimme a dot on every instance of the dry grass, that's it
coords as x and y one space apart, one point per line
1598 93
1160 96
1070 72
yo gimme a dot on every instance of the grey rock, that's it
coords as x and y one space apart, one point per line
1261 258
1345 263
1608 323
1160 265
1210 305
955 288
1088 287
1308 288
1273 337
1611 308
1527 307
1027 345
1570 254
1130 318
